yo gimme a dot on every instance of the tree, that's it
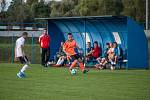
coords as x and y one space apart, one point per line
40 9
2 5
16 8
63 8
3 10
99 7
110 7
82 8
140 10
135 9
26 12
31 2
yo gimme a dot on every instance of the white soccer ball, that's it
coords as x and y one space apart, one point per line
74 71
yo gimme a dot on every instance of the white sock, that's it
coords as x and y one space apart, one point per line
24 68
61 62
99 61
58 62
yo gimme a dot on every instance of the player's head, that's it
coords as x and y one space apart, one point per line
95 44
110 44
25 34
115 44
70 36
89 44
45 31
107 45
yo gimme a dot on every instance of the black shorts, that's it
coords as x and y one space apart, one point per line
75 57
24 60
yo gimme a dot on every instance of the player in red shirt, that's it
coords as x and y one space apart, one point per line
44 41
95 53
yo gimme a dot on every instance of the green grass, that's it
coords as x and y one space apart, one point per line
58 84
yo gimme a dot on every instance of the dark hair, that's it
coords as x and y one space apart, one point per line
69 33
96 42
89 42
115 42
24 33
107 43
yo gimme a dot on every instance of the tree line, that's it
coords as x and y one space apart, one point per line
20 11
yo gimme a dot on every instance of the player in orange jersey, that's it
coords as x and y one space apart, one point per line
69 48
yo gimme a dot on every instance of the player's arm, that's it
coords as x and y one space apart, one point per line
92 51
40 38
15 59
77 47
68 54
65 49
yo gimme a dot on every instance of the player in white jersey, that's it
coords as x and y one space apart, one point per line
19 54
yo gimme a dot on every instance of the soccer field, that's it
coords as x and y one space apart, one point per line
58 84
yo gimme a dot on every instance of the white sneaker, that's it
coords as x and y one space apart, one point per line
111 68
114 63
18 74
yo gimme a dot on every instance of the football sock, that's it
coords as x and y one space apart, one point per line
73 64
24 68
81 66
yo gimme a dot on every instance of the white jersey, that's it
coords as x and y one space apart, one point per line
18 50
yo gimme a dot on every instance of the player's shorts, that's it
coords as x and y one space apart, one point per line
75 57
24 60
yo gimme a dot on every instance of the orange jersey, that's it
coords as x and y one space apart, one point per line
69 47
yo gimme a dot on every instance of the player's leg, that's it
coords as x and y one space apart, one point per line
112 63
47 56
43 57
23 60
73 65
81 65
59 61
100 65
116 59
99 60
62 60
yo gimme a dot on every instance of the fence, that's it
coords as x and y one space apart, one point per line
7 46
11 31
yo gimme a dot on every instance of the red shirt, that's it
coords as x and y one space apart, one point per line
44 41
96 52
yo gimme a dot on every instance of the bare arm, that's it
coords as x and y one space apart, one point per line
77 47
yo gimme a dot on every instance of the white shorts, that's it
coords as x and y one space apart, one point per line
18 52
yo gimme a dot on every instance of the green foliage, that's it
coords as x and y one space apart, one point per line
134 9
26 12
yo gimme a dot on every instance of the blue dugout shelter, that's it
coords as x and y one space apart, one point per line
121 29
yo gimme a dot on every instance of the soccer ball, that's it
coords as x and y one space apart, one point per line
73 71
